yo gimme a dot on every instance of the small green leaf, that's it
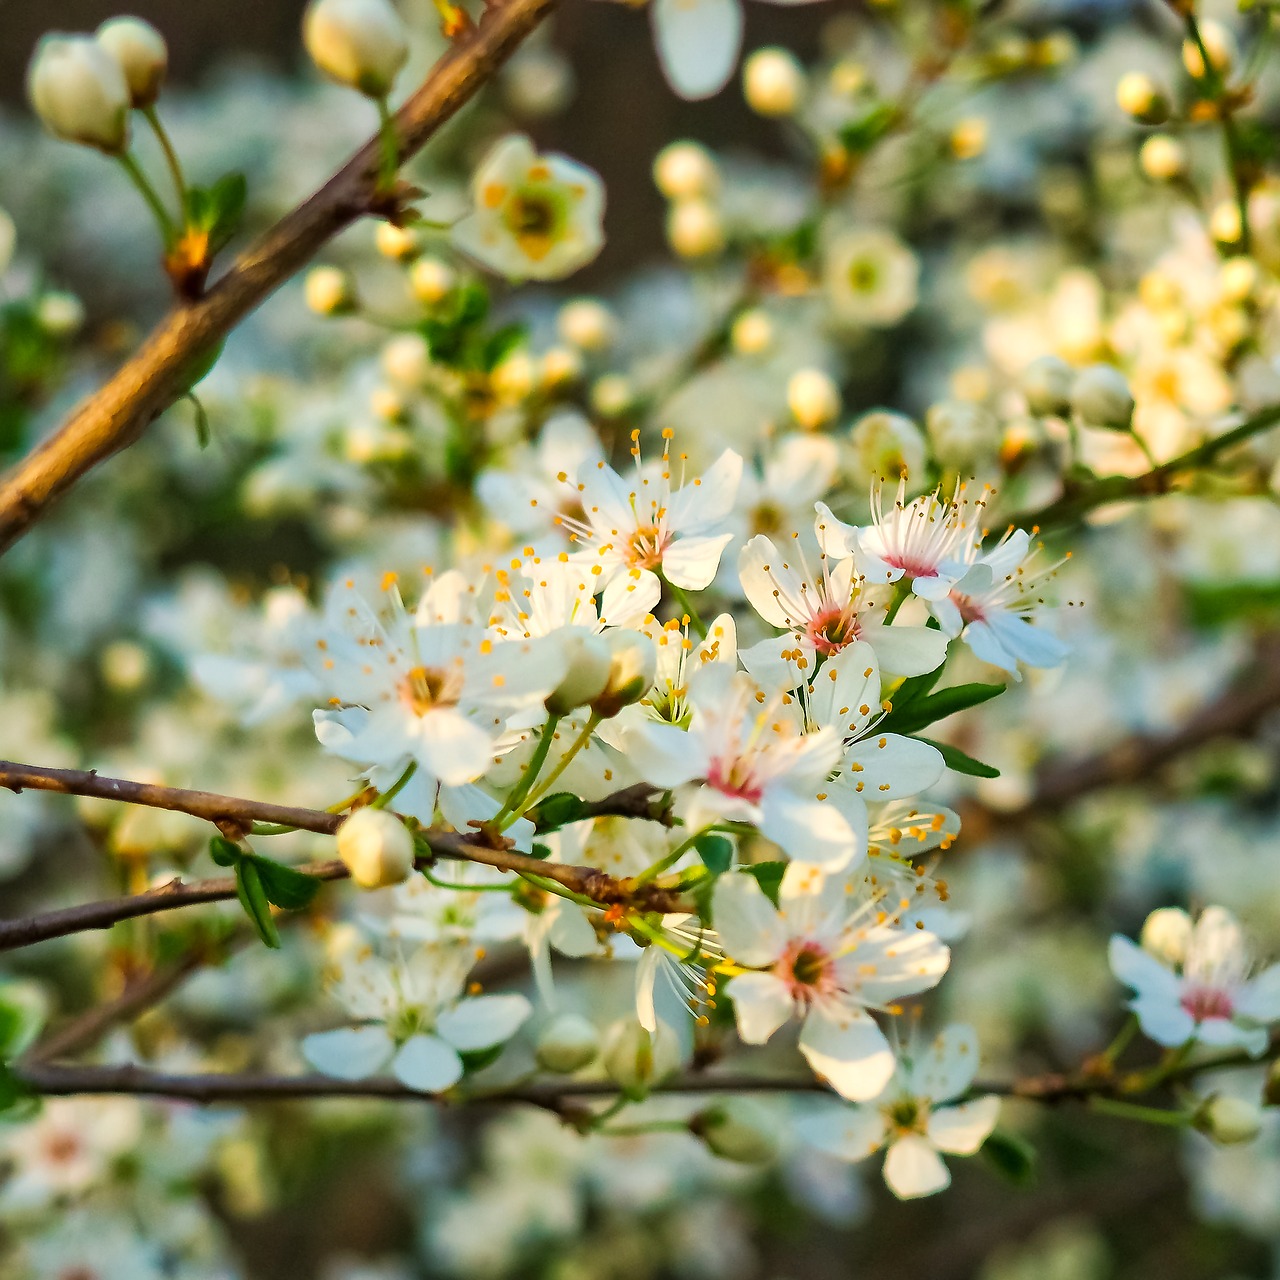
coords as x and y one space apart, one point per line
284 886
16 1099
216 211
478 1059
540 850
226 853
769 877
715 851
253 899
500 344
960 762
556 811
23 1010
924 711
1013 1158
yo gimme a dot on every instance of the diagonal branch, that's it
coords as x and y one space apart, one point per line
164 367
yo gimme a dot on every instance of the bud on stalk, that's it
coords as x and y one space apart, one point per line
376 848
80 92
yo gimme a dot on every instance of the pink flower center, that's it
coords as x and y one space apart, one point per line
830 630
970 609
1203 1003
912 566
735 778
808 970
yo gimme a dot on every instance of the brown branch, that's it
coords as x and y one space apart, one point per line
163 368
237 815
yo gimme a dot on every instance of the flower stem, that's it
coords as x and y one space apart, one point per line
593 722
389 139
386 797
1135 1111
170 154
510 810
682 598
148 192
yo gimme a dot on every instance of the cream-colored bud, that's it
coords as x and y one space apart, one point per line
738 1129
752 333
813 398
567 1043
561 367
514 378
773 82
361 43
963 434
587 324
388 404
125 665
406 360
142 54
590 665
1238 279
1163 158
1100 396
695 228
1219 44
1138 95
685 170
1166 933
432 281
612 395
397 243
633 667
376 847
886 444
329 291
1224 223
80 93
1046 383
59 314
1228 1120
969 138
636 1059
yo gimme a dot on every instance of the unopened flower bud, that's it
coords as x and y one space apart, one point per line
1046 383
59 314
329 291
1163 158
1239 279
695 228
432 281
773 82
813 398
962 433
685 170
590 665
142 54
1228 1120
397 243
514 378
561 367
587 324
80 93
752 333
1165 935
1139 96
567 1043
969 138
612 395
1219 44
636 1059
1100 396
738 1129
376 847
887 444
633 667
361 43
1224 223
406 360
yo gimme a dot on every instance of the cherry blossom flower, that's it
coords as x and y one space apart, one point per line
826 956
1202 992
915 1118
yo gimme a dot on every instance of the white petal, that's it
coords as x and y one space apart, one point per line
698 42
808 829
427 1064
571 931
913 1168
847 1047
889 766
848 1133
746 921
1260 998
961 1130
629 597
350 1053
480 1022
904 650
691 562
947 1067
1165 1021
664 755
453 748
761 1003
1140 970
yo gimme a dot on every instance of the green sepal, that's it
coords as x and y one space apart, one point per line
715 851
768 876
253 899
286 887
217 210
556 811
1012 1157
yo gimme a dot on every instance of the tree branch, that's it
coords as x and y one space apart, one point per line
163 368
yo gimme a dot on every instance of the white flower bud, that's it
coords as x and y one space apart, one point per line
685 170
388 404
1138 95
432 281
887 445
567 1043
962 433
633 667
125 666
1046 383
738 1129
329 291
1224 223
1228 1120
695 228
587 324
1163 158
612 395
406 360
361 43
397 243
376 847
561 367
635 1059
80 93
773 82
1100 396
1220 45
752 333
59 314
142 54
813 398
1238 279
590 665
514 378
1165 934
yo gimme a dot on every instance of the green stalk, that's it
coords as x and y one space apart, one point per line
148 192
507 814
170 154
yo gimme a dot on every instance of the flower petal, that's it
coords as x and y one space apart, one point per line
698 43
761 1003
848 1133
480 1022
913 1169
962 1129
427 1064
845 1045
350 1053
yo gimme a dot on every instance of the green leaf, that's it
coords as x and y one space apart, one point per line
960 762
16 1099
921 712
217 210
1013 1158
540 850
715 851
284 886
500 344
914 688
253 899
226 853
556 811
23 1010
769 877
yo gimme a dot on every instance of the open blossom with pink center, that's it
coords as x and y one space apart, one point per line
993 605
1199 987
749 760
648 525
826 955
823 613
